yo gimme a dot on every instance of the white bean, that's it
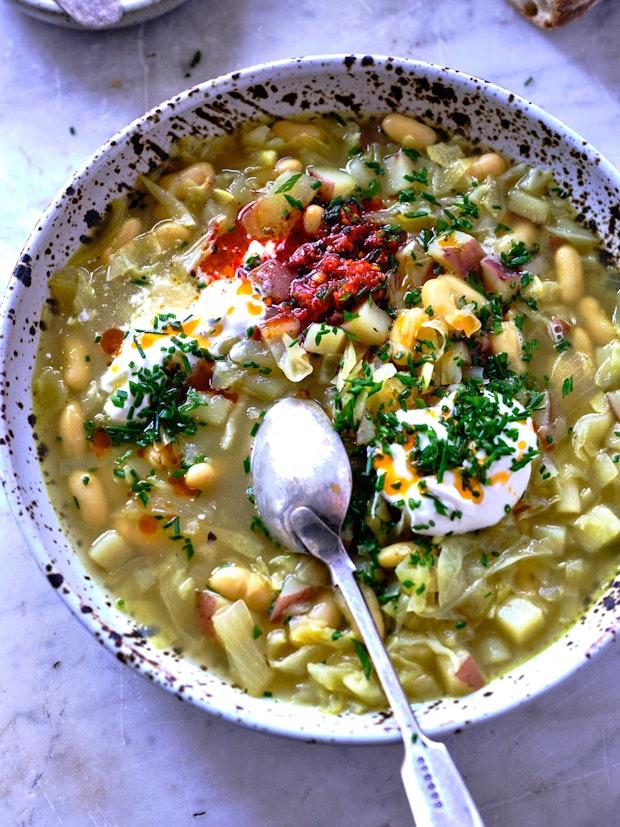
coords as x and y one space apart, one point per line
390 556
326 609
161 456
238 583
288 165
313 218
200 174
199 476
170 235
509 341
89 496
128 230
289 130
408 132
71 430
523 230
487 165
595 321
569 273
76 367
581 341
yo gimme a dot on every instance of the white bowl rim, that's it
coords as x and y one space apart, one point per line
574 659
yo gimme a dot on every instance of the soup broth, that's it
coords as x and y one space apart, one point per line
454 320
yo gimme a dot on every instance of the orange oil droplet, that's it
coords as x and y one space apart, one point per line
473 491
446 241
190 326
244 289
148 524
500 478
393 484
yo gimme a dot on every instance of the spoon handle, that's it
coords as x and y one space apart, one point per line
437 794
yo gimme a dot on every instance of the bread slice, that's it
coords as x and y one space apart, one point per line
548 14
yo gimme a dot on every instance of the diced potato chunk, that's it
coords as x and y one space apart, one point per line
557 534
597 528
605 469
520 618
458 252
493 651
570 497
110 551
335 183
324 339
462 677
370 324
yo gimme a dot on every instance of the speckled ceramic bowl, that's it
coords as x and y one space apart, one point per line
353 85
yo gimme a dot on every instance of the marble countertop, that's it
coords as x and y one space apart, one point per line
83 740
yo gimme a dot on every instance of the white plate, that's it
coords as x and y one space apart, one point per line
134 11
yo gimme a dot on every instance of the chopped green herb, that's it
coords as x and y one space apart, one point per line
289 183
418 177
519 254
294 202
363 658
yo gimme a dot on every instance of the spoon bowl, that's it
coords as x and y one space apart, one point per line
298 461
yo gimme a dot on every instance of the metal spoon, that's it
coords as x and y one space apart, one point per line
302 485
93 14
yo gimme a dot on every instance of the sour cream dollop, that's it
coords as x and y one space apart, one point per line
455 505
221 315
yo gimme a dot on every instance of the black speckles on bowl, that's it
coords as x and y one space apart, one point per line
352 84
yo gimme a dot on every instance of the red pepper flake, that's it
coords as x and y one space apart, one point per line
227 254
200 379
111 341
148 524
351 260
181 487
101 441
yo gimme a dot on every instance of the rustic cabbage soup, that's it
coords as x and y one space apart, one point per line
453 318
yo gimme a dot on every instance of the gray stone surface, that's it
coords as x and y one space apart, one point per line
84 741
